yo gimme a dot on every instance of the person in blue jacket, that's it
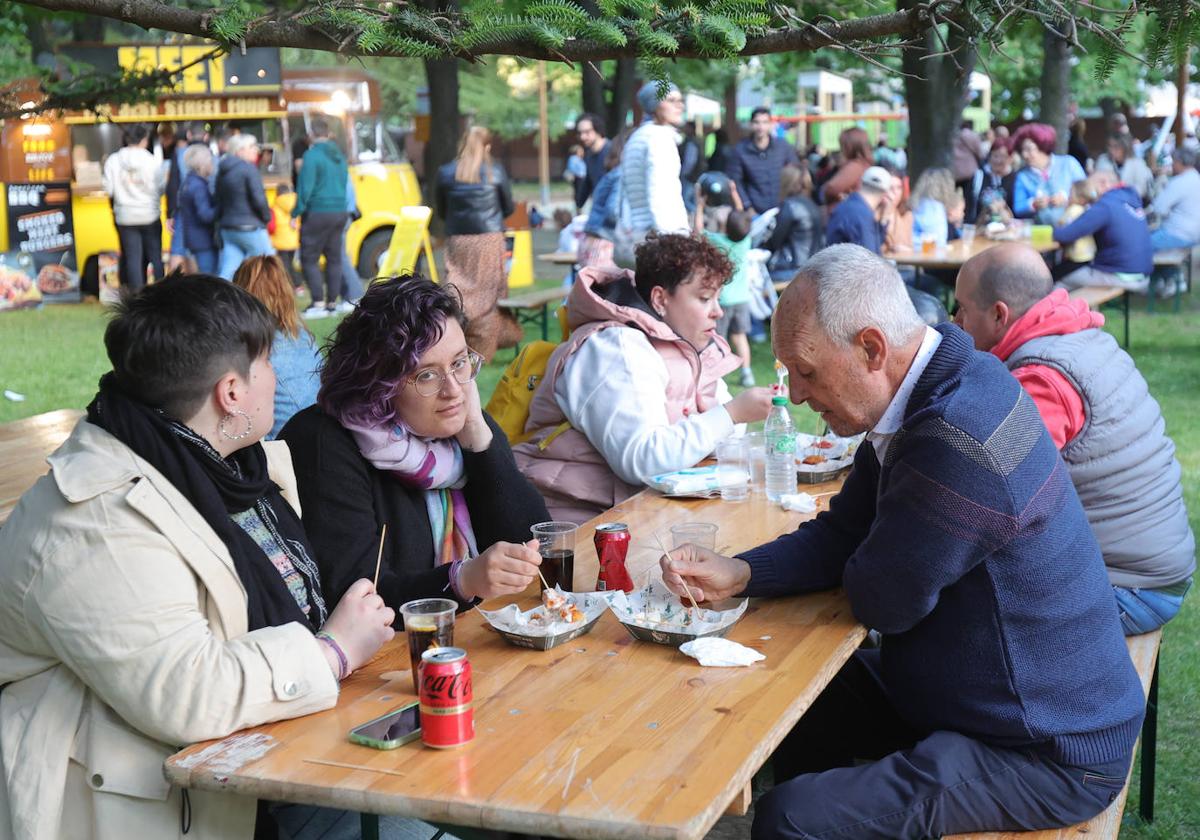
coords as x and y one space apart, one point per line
1117 221
1002 696
196 213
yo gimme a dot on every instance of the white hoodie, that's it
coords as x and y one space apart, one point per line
135 180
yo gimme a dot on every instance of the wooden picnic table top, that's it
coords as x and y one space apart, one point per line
535 298
602 737
1097 295
955 253
560 257
24 446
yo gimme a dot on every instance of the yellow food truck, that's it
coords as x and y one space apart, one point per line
50 169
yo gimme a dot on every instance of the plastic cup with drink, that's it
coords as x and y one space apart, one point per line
702 534
429 623
556 544
733 469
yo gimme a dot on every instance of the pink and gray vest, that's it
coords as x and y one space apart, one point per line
1122 463
569 472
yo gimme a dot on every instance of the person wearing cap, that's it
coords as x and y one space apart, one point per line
1177 206
756 162
651 198
854 220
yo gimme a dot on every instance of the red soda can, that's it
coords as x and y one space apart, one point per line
612 545
447 701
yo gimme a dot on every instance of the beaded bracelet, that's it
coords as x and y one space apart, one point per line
343 662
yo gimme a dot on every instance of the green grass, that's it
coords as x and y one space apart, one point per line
55 355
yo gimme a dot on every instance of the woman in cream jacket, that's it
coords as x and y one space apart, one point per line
156 587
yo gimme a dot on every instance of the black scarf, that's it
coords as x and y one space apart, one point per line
218 487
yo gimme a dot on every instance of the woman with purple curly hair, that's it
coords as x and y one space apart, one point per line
398 438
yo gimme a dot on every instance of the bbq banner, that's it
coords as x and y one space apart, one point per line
40 228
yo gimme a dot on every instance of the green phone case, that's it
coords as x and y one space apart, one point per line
367 741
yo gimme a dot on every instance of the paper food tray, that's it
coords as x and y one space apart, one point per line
520 628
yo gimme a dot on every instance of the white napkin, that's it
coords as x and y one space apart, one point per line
720 653
798 502
697 480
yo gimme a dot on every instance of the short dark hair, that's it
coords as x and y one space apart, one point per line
737 226
671 259
320 128
761 109
170 342
596 120
134 133
378 345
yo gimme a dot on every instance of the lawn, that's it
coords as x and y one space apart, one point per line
55 355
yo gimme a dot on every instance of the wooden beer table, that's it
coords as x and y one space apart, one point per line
601 737
24 446
955 253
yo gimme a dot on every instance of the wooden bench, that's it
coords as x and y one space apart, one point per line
534 307
1097 296
24 446
1143 650
1177 258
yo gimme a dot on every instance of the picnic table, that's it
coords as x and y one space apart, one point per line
24 446
567 258
602 737
955 253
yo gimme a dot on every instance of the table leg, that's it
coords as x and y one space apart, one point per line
1125 304
370 826
1149 749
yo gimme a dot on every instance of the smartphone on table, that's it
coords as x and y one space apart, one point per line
391 730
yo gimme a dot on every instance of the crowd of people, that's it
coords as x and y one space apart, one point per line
199 558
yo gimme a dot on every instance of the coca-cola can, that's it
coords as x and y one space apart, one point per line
612 546
447 700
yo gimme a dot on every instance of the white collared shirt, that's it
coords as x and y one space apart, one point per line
889 423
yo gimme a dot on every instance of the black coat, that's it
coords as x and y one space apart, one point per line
239 195
346 501
798 234
473 208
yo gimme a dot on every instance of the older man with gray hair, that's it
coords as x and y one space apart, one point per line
1100 414
1002 696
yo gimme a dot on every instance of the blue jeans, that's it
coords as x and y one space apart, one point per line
206 261
309 822
1161 240
1145 610
352 288
239 244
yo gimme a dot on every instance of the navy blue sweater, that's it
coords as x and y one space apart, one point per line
854 221
756 171
1118 223
969 551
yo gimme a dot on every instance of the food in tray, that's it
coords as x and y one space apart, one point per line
558 608
822 443
813 460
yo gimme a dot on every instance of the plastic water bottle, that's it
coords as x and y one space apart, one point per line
780 437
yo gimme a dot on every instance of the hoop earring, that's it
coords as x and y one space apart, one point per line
238 413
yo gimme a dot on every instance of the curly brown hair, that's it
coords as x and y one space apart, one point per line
671 259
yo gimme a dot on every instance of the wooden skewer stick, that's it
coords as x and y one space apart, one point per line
379 557
352 766
691 597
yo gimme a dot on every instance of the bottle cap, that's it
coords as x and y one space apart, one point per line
780 400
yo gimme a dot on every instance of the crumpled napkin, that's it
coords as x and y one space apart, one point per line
798 502
720 653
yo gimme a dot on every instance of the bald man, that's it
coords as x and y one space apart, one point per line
1102 418
1117 221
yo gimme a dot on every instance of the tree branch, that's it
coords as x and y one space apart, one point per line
289 32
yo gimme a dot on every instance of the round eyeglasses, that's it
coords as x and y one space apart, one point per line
464 369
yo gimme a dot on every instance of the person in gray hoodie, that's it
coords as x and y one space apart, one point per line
321 207
134 180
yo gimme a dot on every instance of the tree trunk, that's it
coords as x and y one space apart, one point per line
1181 84
441 75
623 89
592 89
729 119
936 90
1056 85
